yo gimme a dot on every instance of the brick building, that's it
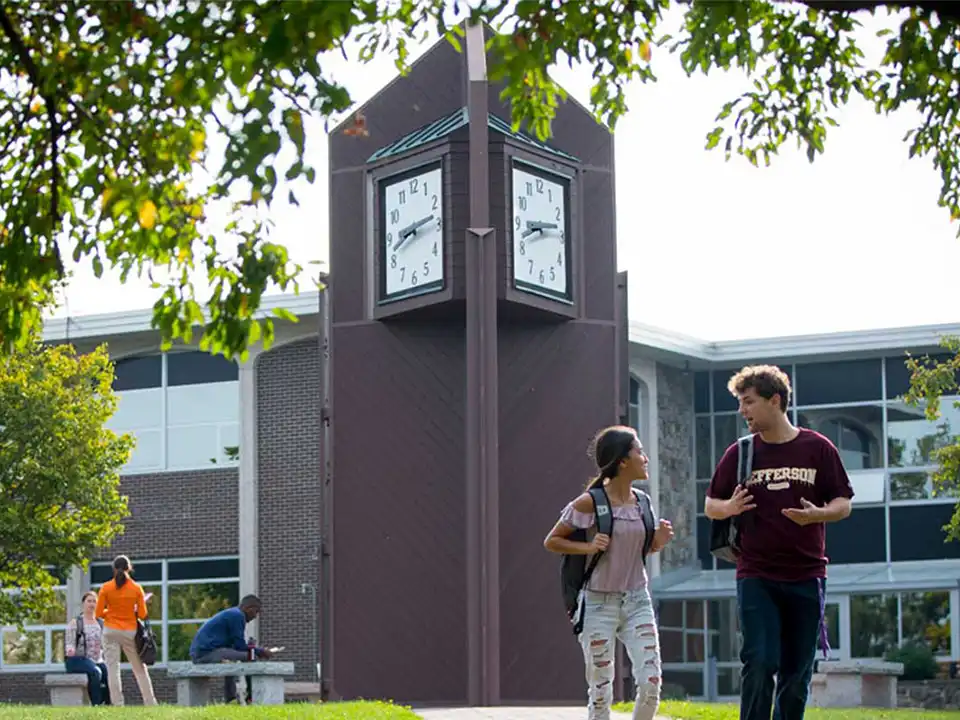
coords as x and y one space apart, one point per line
225 493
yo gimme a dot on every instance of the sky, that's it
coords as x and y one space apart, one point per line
714 249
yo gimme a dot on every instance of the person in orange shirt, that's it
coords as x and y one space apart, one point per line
119 603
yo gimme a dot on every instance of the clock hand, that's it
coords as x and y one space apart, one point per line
537 226
411 229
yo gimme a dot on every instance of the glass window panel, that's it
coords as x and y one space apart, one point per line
925 618
199 368
137 410
193 447
861 538
137 373
670 613
634 391
856 431
180 636
723 400
55 614
898 376
912 439
203 569
724 625
728 681
155 603
702 486
143 572
916 532
918 486
694 617
704 461
229 442
726 428
695 647
147 453
873 625
838 382
678 684
868 486
26 648
671 645
701 392
203 404
57 646
832 620
202 600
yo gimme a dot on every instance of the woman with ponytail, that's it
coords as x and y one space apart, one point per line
120 603
618 603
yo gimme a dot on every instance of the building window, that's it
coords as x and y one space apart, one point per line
636 407
183 409
41 642
881 622
186 592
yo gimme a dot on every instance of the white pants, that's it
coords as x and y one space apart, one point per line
113 642
628 616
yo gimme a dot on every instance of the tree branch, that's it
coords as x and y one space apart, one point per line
946 9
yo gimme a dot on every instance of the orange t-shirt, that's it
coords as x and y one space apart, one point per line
120 607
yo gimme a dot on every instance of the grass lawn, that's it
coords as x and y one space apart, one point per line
293 711
704 711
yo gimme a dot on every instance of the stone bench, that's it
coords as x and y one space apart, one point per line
855 683
302 692
67 688
266 680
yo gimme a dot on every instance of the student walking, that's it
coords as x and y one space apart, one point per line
120 603
83 642
616 600
797 484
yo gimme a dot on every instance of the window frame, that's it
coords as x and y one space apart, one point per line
47 630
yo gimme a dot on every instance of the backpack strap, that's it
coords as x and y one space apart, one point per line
604 519
81 636
649 520
744 459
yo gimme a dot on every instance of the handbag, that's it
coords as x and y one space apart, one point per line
725 534
146 642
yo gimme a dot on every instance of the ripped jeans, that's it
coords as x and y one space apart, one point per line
628 616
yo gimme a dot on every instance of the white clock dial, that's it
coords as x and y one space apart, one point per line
412 234
539 232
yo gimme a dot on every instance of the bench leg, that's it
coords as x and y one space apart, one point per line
193 692
267 689
69 696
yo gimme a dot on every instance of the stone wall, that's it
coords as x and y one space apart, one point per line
678 497
929 694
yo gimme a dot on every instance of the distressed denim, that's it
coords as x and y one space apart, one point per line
629 617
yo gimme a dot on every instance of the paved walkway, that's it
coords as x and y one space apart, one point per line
512 713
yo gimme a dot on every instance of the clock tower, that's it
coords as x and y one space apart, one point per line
478 343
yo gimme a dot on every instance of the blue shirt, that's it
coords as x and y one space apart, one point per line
226 629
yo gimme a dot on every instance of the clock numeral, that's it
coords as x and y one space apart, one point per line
539 186
439 223
531 266
549 195
403 197
426 269
413 278
529 188
523 248
553 274
522 202
403 272
516 222
558 213
393 261
561 237
394 217
560 259
436 203
435 250
541 276
389 239
425 188
414 184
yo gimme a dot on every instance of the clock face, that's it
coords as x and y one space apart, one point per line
411 233
540 257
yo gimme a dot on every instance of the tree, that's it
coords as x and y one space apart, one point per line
59 471
931 380
106 106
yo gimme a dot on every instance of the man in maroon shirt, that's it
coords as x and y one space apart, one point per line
798 484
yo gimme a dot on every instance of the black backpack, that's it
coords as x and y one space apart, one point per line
575 573
725 534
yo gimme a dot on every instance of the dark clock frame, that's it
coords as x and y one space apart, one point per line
568 175
382 305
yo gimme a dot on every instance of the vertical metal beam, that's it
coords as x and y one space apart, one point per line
482 452
325 669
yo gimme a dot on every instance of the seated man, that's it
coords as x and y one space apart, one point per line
223 637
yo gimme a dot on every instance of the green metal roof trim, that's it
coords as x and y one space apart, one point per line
428 133
448 124
500 126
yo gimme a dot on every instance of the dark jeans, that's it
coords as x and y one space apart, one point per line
96 678
780 623
220 655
